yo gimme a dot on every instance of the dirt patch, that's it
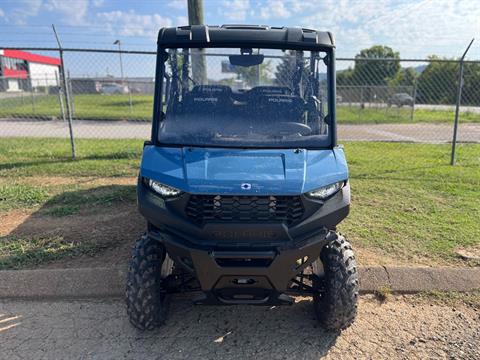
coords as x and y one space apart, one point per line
368 257
471 254
11 220
114 228
371 257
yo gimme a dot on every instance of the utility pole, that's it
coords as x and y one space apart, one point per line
119 43
195 17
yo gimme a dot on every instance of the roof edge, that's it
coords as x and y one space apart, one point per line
245 35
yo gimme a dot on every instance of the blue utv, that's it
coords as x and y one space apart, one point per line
242 183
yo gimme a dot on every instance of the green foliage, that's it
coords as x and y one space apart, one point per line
432 83
19 252
250 73
285 71
344 77
471 84
376 72
404 77
20 195
438 83
62 210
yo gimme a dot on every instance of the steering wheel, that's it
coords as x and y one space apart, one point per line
290 127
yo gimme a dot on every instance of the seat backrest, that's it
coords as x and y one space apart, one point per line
268 90
274 108
207 98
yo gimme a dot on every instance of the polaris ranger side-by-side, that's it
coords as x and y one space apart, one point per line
242 183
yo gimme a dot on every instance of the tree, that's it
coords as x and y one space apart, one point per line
285 72
376 72
250 73
345 77
437 83
471 84
404 77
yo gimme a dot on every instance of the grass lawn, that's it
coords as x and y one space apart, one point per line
109 107
117 107
395 115
408 204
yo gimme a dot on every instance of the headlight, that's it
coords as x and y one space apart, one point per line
326 191
163 190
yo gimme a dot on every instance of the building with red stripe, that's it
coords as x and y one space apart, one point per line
24 71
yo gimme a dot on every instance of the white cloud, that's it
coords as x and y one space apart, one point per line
177 4
274 9
98 3
235 10
24 9
415 28
282 9
130 23
181 21
297 6
74 12
2 14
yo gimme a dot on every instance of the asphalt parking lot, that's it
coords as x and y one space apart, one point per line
423 133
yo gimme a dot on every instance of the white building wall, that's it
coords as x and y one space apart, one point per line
43 74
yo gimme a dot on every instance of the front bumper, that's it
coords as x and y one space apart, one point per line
243 276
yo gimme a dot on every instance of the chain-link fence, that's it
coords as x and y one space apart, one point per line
110 95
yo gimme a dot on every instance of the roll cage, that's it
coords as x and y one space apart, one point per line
242 37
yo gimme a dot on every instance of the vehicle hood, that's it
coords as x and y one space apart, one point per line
243 172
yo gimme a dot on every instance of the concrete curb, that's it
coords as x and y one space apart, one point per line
110 282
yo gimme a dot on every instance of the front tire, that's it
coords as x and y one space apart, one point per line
336 285
146 297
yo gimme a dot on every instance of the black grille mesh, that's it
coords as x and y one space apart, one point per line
216 208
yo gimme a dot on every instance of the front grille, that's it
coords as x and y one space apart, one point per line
244 209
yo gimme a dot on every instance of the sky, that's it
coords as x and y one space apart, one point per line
415 28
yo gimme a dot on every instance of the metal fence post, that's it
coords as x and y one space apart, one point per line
33 100
457 106
67 95
60 97
414 98
71 94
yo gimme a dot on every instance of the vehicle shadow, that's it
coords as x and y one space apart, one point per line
237 332
88 227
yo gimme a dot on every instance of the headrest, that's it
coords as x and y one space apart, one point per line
205 98
270 90
214 90
280 100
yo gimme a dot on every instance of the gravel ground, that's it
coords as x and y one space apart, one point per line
401 328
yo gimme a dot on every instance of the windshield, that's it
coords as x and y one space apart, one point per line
244 98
